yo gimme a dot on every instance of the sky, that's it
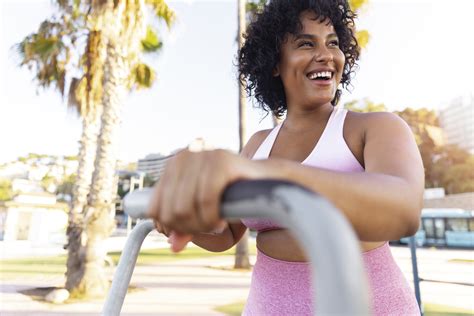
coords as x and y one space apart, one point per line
419 55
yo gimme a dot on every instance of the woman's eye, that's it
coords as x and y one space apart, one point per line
305 44
334 43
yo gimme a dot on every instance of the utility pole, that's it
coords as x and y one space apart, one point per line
242 249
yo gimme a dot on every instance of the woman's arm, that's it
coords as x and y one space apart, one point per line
233 232
383 203
218 242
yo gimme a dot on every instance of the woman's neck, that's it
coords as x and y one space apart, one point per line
298 120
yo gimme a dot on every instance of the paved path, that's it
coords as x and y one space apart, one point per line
192 287
188 287
441 265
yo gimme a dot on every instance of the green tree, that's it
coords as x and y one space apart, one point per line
420 122
90 31
47 181
453 169
459 178
419 118
5 190
66 186
447 166
365 106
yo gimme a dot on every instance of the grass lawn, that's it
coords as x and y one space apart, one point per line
56 266
165 255
235 309
462 260
439 310
32 267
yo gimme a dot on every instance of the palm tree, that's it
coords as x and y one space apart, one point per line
75 42
49 52
242 249
87 90
127 38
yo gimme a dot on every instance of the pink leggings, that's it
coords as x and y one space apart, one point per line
284 288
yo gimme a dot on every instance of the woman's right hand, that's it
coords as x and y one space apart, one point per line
178 241
186 199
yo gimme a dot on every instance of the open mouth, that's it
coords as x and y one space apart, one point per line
322 76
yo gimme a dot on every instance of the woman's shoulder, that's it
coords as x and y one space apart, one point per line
374 119
377 124
254 142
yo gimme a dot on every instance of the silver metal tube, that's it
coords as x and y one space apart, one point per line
136 204
124 271
341 286
323 232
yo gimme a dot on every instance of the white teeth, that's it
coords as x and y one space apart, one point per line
321 74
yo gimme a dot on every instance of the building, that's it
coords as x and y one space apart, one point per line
152 165
35 217
25 185
457 121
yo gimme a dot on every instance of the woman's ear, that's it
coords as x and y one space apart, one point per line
276 71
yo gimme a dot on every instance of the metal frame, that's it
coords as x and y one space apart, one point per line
319 227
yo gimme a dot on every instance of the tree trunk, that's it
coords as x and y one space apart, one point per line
79 262
100 210
86 158
242 249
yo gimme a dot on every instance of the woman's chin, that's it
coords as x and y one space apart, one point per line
322 100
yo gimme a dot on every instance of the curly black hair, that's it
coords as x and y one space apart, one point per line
261 52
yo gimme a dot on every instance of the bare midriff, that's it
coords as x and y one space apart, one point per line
280 244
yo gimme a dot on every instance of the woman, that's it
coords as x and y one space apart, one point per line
297 54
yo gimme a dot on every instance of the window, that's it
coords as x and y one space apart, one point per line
471 224
439 224
457 224
429 227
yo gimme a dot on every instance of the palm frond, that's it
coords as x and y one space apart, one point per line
357 4
61 80
142 76
89 90
73 101
163 11
151 43
46 47
78 94
363 38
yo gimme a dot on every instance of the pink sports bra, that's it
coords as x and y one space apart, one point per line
331 152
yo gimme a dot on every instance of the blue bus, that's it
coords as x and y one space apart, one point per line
445 227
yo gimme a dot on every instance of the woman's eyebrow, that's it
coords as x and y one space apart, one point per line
312 36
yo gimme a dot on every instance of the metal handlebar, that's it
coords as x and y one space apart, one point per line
319 227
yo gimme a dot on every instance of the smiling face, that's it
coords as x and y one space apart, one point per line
311 64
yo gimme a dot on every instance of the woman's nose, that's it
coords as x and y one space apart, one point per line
323 55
